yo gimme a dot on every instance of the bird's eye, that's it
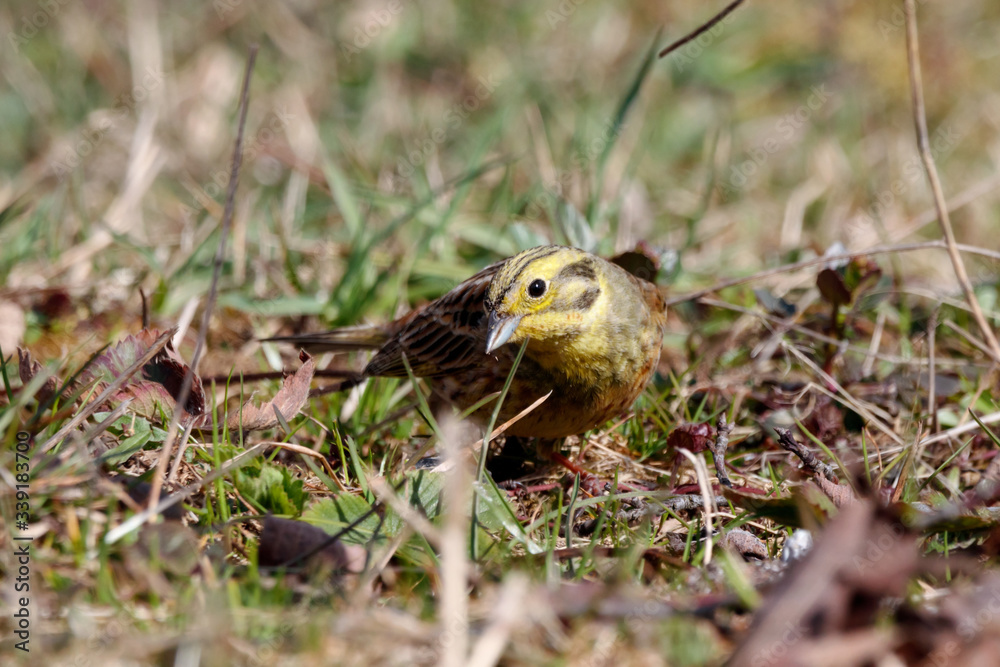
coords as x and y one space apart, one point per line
536 288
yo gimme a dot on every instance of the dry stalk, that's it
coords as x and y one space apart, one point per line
227 219
923 144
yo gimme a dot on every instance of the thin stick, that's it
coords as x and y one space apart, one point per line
493 434
962 199
185 443
815 335
869 363
723 429
967 336
702 30
932 370
923 143
227 219
961 429
841 395
277 375
811 462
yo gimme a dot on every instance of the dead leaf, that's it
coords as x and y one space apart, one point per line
692 437
842 286
648 262
288 401
155 392
28 368
745 544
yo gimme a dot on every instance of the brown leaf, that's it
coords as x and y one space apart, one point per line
168 370
745 544
843 285
288 401
156 391
54 305
28 368
638 264
831 286
647 261
693 437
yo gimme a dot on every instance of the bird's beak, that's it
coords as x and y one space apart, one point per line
499 330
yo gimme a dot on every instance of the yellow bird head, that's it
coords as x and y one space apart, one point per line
548 294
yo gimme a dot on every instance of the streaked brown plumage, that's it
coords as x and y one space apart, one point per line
594 333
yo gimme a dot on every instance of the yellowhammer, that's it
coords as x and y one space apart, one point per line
594 333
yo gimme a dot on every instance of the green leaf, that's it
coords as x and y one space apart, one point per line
272 489
343 197
335 514
495 514
138 433
118 455
422 492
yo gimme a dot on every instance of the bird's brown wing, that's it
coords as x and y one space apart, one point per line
443 337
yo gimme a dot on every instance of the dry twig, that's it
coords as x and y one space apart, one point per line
705 27
923 144
812 464
723 429
227 218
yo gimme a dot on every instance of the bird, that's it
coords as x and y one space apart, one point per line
593 334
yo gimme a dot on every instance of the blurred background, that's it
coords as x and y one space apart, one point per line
435 137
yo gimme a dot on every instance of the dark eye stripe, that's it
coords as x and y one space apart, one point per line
582 269
582 302
587 299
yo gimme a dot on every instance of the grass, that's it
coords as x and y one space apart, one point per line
393 150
